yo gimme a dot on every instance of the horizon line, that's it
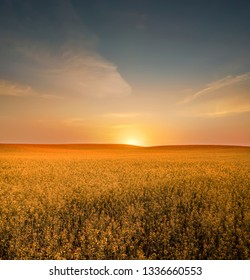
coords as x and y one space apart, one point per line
124 144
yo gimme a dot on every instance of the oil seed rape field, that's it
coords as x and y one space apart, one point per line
124 202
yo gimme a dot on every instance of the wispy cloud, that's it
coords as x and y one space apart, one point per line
8 88
64 63
221 98
68 71
51 96
224 113
217 85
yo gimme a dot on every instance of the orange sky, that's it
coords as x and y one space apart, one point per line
130 119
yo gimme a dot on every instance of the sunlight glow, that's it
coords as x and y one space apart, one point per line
133 141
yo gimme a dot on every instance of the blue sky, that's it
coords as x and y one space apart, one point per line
158 72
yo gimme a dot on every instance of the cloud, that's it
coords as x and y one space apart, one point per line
8 88
224 97
67 71
56 55
219 84
51 96
228 112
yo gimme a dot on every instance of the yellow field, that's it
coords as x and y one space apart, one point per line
121 202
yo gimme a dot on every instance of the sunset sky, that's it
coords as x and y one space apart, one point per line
146 72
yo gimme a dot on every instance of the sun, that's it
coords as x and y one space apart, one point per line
133 141
132 137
